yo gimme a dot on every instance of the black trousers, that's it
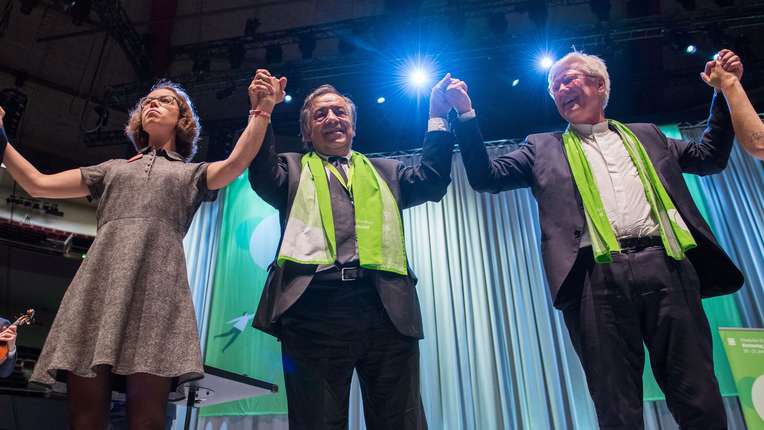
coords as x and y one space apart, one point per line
644 297
332 330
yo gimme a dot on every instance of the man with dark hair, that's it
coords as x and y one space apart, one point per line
7 335
340 295
627 254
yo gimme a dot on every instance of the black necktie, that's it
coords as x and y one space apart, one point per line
338 163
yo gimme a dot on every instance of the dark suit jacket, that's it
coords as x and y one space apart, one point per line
275 178
540 163
7 367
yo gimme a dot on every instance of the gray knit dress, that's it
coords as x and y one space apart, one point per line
129 305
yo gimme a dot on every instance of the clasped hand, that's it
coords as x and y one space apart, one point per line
265 91
725 70
449 93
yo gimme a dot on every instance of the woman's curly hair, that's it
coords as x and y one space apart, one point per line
186 131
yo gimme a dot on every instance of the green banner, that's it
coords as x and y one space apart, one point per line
745 350
249 235
721 311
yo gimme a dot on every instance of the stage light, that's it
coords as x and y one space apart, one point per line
380 100
251 26
691 49
418 77
307 45
516 82
288 98
274 54
415 74
545 62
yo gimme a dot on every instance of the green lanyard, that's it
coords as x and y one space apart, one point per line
347 185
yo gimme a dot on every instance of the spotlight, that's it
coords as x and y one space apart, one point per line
545 62
516 82
274 54
288 98
380 100
418 77
691 49
415 73
250 28
307 45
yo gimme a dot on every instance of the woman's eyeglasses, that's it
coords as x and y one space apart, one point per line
165 100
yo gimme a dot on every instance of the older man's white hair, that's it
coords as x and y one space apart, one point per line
589 64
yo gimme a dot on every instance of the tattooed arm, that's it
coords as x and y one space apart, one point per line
724 75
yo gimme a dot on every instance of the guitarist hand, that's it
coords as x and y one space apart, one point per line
9 335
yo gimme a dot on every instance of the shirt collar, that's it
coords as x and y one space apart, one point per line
590 129
172 155
327 157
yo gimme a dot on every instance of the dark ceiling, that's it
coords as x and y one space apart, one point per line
73 60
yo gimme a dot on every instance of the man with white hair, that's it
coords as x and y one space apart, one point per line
627 254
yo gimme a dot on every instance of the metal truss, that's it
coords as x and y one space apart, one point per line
114 19
589 37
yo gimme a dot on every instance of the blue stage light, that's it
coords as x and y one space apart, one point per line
691 49
380 100
545 62
418 77
288 98
516 82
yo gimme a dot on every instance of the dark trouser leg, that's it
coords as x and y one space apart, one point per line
389 377
320 337
644 295
89 399
604 327
678 337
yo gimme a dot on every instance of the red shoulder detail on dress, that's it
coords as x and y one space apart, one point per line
135 157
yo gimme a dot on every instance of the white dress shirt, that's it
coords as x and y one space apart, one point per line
618 183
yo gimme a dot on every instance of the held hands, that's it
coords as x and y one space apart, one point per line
723 72
449 93
266 91
9 336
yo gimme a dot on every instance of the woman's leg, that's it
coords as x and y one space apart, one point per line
147 401
89 399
